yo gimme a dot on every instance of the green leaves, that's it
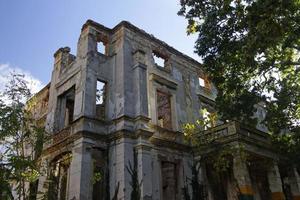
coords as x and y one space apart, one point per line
21 139
250 49
288 145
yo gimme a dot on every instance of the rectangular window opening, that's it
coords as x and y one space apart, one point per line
69 110
159 60
204 82
164 116
201 82
66 103
100 99
101 47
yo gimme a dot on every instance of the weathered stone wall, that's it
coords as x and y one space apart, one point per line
135 88
132 80
131 125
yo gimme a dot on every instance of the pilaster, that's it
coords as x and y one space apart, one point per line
140 85
145 171
241 174
81 168
121 154
275 183
294 180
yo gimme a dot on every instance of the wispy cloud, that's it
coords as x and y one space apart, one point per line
34 84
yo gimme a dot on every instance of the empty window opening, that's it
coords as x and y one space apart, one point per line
164 116
100 99
169 180
98 183
59 173
99 174
69 110
201 82
159 59
65 108
204 82
101 47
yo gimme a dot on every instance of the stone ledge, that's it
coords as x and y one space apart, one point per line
162 80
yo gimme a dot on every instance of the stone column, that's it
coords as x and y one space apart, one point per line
144 159
294 180
275 183
80 181
241 175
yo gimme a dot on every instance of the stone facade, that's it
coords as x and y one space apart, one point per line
114 109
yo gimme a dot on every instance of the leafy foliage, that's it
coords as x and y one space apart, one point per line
288 145
250 49
5 189
194 132
21 139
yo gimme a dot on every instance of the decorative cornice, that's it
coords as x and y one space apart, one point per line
170 144
132 119
62 50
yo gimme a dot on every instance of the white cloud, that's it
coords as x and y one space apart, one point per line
34 84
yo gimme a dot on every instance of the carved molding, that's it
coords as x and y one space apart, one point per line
162 80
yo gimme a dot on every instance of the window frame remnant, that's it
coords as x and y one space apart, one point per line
164 109
101 99
160 59
65 108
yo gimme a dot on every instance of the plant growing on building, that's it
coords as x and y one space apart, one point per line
213 152
134 183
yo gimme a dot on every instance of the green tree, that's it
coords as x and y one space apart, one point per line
21 140
250 50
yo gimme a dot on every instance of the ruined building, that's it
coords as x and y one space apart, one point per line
115 113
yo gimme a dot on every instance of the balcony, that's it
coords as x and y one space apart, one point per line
61 135
235 133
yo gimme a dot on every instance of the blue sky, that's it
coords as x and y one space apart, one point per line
32 30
